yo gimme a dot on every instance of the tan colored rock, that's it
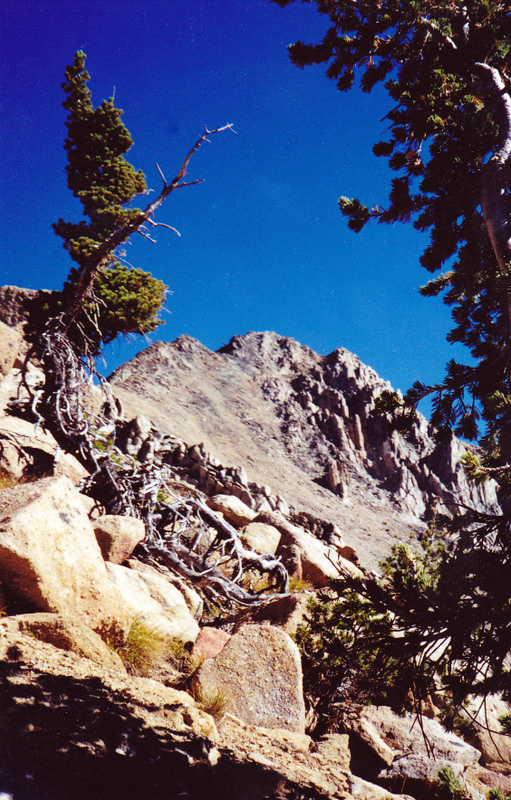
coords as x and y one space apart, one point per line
318 562
50 560
209 643
160 604
10 345
260 537
335 747
83 707
485 726
364 790
311 774
418 774
13 462
404 737
65 633
411 754
259 669
234 511
480 780
192 598
285 612
370 734
118 536
30 454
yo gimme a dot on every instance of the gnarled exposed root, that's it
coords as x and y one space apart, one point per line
181 532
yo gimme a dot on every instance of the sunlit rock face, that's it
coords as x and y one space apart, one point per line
284 429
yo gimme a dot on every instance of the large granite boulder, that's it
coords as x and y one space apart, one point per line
259 670
118 536
158 602
50 559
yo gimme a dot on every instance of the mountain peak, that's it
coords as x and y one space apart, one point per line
305 425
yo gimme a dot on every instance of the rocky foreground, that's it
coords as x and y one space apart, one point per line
283 444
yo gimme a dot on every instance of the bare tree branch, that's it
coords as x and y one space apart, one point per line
104 253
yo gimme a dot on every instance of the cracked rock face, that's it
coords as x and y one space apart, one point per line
265 414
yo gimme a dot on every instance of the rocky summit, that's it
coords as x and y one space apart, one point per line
114 680
300 430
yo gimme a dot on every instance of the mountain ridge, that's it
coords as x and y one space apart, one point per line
305 425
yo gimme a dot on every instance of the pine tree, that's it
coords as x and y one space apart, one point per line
114 298
444 65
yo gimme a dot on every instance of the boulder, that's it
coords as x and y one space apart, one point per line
10 345
486 733
65 633
23 454
150 596
192 598
319 562
304 555
480 780
285 612
417 774
335 747
361 789
234 511
118 536
50 559
410 755
259 670
209 643
260 537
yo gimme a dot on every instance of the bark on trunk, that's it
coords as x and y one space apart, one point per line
495 177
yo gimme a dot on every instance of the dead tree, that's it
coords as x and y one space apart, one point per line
118 483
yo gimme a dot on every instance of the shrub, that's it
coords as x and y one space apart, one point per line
449 787
353 647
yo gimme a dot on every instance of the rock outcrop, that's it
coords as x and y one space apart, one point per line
273 423
284 444
405 755
259 672
50 560
14 302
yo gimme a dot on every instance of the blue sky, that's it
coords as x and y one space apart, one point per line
263 245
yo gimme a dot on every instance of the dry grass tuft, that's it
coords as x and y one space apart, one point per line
299 585
212 701
144 648
7 481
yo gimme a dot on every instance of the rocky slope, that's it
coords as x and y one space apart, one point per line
302 427
282 444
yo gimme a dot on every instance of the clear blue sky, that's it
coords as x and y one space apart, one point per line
263 244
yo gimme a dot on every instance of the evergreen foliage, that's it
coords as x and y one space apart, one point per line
438 617
97 172
124 300
445 67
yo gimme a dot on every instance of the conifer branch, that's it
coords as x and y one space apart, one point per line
103 255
